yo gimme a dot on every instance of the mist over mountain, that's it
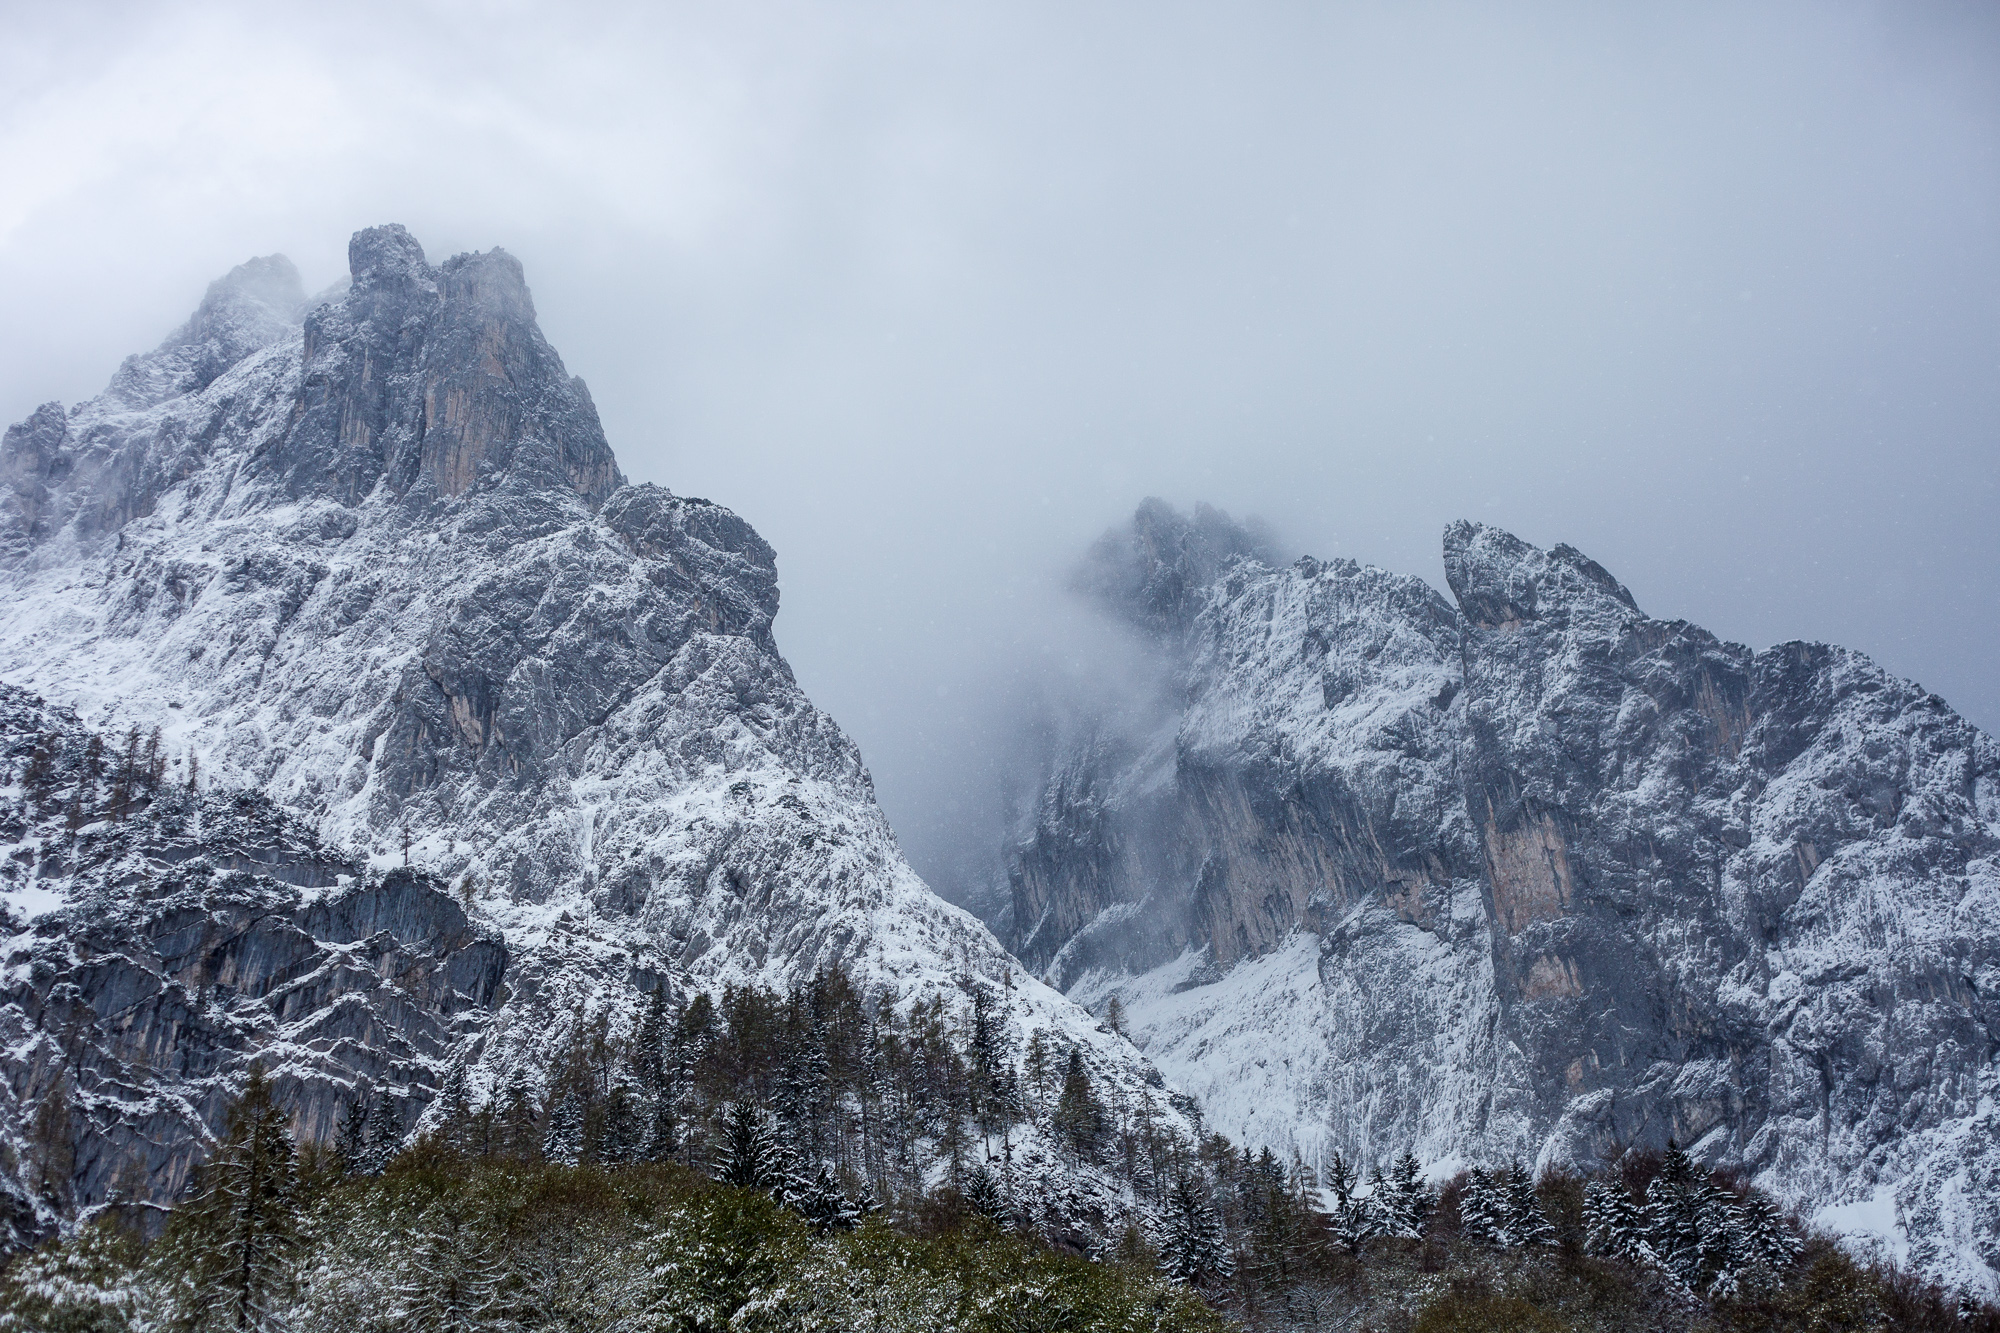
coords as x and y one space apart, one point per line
1522 871
365 727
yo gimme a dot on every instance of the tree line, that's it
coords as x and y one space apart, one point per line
871 1125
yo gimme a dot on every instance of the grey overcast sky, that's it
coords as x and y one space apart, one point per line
933 292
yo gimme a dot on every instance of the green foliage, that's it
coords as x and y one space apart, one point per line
1079 1116
437 1243
1486 1313
227 1250
717 1166
86 1285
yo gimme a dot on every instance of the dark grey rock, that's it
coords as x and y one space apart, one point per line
187 948
1540 875
384 573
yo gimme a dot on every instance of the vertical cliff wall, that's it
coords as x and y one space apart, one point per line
1535 873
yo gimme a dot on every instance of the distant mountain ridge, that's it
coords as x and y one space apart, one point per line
1528 871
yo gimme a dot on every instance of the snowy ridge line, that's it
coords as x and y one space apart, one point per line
370 556
1527 872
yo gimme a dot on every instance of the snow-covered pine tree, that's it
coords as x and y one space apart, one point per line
562 1136
451 1279
385 1136
1407 1204
1250 1196
1482 1215
1724 1251
987 1048
235 1234
1035 1063
819 1199
1011 1104
1615 1226
1767 1238
1340 1178
982 1193
351 1143
752 1157
622 1137
1673 1218
1275 1243
1079 1117
1526 1223
454 1109
649 1044
804 1085
1194 1251
694 1032
663 1138
1695 1225
1351 1223
517 1134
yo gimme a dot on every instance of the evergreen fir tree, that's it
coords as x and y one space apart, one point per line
1275 1242
649 1045
1079 1118
622 1138
1194 1251
805 1085
1340 1179
1035 1064
663 1133
1678 1221
385 1137
1615 1226
819 1199
1767 1239
454 1109
987 1051
1724 1243
351 1146
1406 1199
562 1137
517 1135
452 1280
1482 1209
982 1193
1525 1222
752 1156
693 1033
1351 1223
243 1222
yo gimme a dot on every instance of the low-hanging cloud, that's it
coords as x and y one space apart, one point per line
932 294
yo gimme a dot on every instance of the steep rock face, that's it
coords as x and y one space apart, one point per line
197 933
384 570
1539 874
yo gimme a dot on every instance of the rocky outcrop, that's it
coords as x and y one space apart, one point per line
194 935
1539 874
382 570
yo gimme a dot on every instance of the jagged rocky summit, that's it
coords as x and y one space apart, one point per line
1528 872
368 563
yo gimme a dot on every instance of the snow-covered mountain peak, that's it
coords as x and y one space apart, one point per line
1502 581
1537 874
255 304
1151 571
387 259
383 570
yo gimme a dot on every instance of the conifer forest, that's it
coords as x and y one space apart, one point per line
812 1160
